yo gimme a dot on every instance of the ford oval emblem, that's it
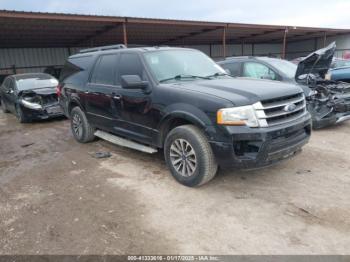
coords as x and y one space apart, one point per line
289 108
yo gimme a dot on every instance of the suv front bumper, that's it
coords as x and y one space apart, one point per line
255 148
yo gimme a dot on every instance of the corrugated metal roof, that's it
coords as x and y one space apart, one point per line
36 29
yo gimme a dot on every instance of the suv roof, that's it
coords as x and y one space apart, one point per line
121 48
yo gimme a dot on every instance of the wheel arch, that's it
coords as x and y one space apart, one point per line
73 103
180 117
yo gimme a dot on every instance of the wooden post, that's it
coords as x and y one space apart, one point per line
284 48
125 34
224 43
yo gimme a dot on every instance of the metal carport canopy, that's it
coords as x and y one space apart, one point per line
35 29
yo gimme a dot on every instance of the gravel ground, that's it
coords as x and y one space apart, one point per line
55 198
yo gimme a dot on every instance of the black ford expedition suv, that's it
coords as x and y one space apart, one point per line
180 100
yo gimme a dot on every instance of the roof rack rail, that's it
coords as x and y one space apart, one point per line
102 48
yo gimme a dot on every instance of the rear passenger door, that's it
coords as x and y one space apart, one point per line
102 101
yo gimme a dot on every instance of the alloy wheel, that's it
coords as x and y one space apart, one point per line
183 157
77 125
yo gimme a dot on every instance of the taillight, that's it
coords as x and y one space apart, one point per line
59 90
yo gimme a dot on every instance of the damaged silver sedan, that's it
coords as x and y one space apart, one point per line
30 96
327 101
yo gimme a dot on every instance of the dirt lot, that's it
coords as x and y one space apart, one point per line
55 198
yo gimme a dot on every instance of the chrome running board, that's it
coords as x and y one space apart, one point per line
124 142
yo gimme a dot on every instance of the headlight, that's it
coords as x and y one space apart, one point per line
328 76
31 105
237 116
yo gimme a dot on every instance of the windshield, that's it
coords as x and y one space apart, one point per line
288 68
341 63
167 64
36 82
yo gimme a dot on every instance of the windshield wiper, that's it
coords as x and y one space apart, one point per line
179 77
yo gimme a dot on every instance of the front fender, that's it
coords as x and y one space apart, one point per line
188 112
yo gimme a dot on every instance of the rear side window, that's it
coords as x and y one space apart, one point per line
234 68
130 64
105 70
75 65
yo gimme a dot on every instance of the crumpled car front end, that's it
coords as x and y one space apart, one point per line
329 101
329 104
40 104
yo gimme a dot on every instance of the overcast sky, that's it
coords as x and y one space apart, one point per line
318 13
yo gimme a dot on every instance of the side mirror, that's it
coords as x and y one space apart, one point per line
133 82
228 71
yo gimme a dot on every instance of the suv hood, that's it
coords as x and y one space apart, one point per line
316 63
241 91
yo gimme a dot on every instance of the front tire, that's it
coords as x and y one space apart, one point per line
22 118
82 131
189 156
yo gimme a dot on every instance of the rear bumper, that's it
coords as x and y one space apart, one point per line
263 147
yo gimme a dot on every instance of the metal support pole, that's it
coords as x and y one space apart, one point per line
284 48
125 34
242 48
14 69
224 43
324 39
315 43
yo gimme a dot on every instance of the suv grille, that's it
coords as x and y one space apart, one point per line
281 110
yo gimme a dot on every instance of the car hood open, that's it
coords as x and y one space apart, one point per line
316 63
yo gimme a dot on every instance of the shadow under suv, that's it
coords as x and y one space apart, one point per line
181 101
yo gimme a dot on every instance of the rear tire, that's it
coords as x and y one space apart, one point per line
22 118
3 106
189 156
82 131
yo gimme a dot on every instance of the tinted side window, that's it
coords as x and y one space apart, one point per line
235 68
130 64
105 70
257 70
75 65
